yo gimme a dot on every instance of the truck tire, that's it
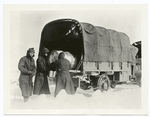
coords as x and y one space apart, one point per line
113 84
83 85
103 83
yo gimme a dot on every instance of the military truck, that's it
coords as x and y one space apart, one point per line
101 57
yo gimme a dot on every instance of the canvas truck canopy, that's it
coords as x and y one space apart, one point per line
87 42
106 45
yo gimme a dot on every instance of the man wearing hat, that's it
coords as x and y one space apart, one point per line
63 78
41 81
27 71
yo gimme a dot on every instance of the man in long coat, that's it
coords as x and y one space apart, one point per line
138 73
63 79
27 68
41 81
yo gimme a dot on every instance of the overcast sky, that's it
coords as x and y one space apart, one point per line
26 26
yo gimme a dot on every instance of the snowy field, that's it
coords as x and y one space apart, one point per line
124 96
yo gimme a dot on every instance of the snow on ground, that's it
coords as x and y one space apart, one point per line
124 96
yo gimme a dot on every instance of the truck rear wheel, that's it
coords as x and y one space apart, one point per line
103 83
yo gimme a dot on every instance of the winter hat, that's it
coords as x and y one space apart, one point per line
31 50
45 50
61 55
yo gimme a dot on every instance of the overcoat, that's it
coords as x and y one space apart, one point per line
63 79
41 82
25 65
